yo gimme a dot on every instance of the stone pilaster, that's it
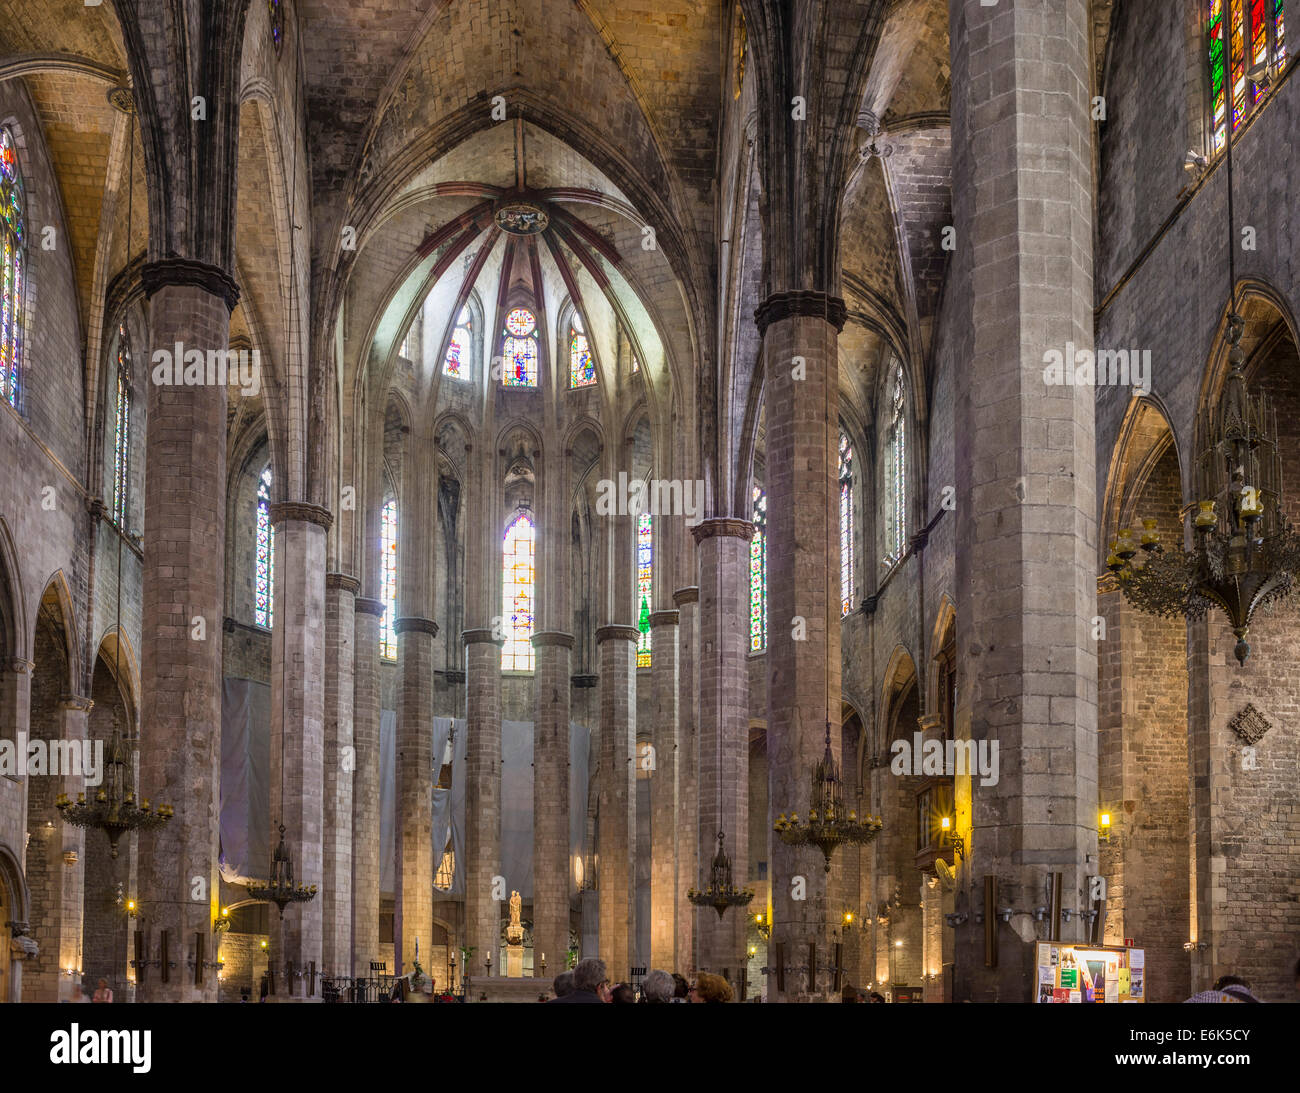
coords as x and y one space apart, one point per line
663 791
180 662
15 697
340 768
365 786
803 644
552 871
722 546
1026 484
616 793
415 779
298 733
482 795
686 832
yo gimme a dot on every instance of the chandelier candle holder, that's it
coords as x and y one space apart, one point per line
721 893
1245 552
280 888
114 809
830 824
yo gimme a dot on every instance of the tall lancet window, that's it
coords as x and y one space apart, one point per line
846 525
388 579
519 350
12 243
1255 40
582 365
122 430
456 362
758 574
896 468
263 613
645 563
517 594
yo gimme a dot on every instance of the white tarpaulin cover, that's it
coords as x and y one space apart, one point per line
245 770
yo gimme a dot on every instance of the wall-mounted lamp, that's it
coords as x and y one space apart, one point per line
1103 827
1067 913
1005 913
222 922
1194 162
959 844
132 908
1040 913
848 918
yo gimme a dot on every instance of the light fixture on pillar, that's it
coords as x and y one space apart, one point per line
829 824
721 892
280 888
1245 552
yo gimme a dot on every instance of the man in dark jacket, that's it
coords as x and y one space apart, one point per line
590 983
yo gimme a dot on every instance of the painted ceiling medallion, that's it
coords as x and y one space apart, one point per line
1249 724
521 218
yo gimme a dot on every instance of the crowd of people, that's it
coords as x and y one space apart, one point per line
589 983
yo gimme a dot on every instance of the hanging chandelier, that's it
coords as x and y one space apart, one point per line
114 809
829 824
1245 553
280 889
721 892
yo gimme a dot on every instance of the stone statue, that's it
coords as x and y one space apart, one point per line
515 929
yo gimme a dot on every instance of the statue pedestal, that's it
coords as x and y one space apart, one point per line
514 961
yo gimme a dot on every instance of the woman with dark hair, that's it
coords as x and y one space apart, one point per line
622 994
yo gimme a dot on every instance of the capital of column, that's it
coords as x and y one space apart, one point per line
684 596
189 271
414 624
301 511
19 666
717 526
76 702
480 636
370 607
803 303
616 631
927 721
664 618
552 637
342 582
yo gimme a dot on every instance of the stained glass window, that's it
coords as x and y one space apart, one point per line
896 469
846 525
276 10
645 561
517 595
388 579
1256 38
520 350
758 574
122 430
582 365
457 361
11 267
265 587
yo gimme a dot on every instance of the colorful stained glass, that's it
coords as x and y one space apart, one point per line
896 470
1218 70
645 561
122 430
276 11
11 268
1256 40
517 594
265 586
846 525
456 363
582 364
520 350
388 579
520 322
758 574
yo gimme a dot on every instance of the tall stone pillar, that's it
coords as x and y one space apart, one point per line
1026 482
365 787
723 781
15 697
65 871
616 792
686 831
415 781
552 871
180 662
340 769
663 790
803 645
482 796
298 732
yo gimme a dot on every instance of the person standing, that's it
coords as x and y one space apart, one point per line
104 993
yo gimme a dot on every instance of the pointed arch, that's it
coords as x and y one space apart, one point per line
13 611
57 596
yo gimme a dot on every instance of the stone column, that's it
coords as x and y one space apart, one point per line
298 732
723 781
15 697
803 645
365 787
663 790
65 872
686 831
552 872
184 582
415 780
340 768
1026 482
616 845
482 796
